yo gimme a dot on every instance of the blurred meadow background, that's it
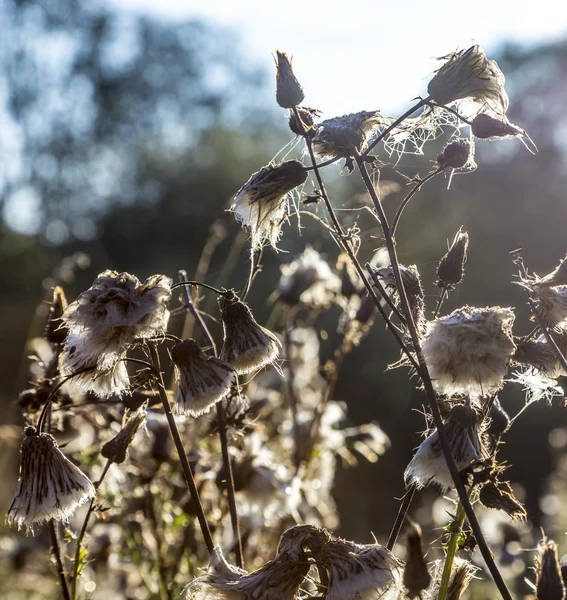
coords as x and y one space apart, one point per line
127 127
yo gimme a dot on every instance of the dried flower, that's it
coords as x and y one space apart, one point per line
416 575
116 449
261 203
360 571
289 92
487 127
549 583
551 304
469 74
557 277
246 346
452 266
49 485
308 118
309 280
278 579
55 332
106 321
342 137
498 420
203 381
499 495
458 155
429 465
536 353
461 577
468 351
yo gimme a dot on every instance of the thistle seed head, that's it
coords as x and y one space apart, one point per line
452 266
469 350
557 277
416 575
537 354
246 345
469 74
55 332
549 583
116 449
203 381
309 118
49 485
289 92
499 495
261 203
458 155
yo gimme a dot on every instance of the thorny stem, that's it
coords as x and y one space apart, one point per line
231 494
56 551
429 390
384 293
199 284
293 401
440 300
406 200
83 532
519 261
422 102
186 467
402 512
343 240
456 527
323 164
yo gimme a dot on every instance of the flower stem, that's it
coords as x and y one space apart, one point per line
227 464
402 512
186 467
84 531
456 528
56 551
428 386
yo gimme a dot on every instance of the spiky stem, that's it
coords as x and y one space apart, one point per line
456 528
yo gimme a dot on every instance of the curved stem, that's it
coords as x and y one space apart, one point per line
432 104
84 531
442 295
324 164
422 102
185 466
227 463
406 200
428 387
199 284
456 527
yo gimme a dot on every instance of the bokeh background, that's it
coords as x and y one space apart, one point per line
127 126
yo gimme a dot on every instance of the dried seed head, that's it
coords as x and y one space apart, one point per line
55 332
416 575
487 127
465 439
342 137
288 91
309 280
106 321
551 304
469 74
458 155
536 353
468 351
261 203
246 346
460 579
49 485
203 381
452 266
549 583
116 449
557 277
498 420
364 571
308 116
499 495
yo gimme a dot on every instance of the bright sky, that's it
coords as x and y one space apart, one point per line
352 55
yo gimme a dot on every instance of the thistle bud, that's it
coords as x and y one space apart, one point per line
261 203
457 155
49 485
55 332
308 117
246 346
499 495
416 575
549 583
452 266
498 420
469 74
116 449
203 381
289 92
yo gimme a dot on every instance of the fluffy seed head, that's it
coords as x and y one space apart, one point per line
116 449
416 575
468 351
551 305
452 266
246 345
549 583
469 74
261 203
309 280
538 354
557 277
289 92
203 381
49 485
465 439
341 137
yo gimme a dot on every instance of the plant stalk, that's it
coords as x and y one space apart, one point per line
456 528
56 551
